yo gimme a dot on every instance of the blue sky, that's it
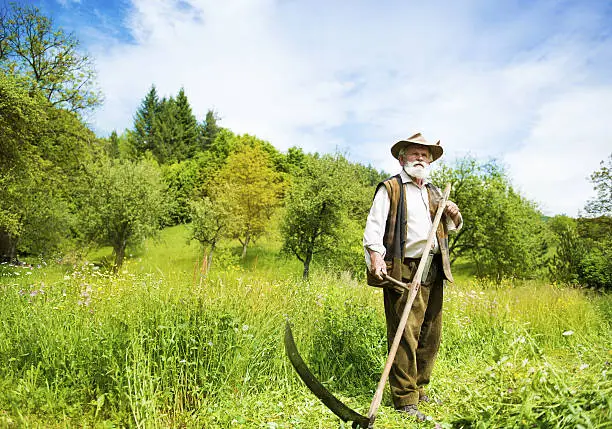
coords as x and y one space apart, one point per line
525 82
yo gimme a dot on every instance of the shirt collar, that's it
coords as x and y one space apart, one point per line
408 179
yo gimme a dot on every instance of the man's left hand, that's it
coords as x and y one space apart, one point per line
452 210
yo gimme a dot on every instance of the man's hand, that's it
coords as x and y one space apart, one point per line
452 211
378 267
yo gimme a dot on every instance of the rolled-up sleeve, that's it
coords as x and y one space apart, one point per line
375 224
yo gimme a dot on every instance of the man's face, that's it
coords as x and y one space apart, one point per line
417 155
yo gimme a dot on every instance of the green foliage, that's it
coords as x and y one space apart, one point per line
190 138
596 266
503 233
584 253
32 47
209 223
43 149
122 204
323 193
144 122
565 264
20 116
602 182
182 180
209 129
248 189
112 146
167 128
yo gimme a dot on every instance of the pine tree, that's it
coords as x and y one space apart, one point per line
144 121
166 132
188 126
210 129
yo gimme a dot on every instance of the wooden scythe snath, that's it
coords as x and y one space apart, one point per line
334 404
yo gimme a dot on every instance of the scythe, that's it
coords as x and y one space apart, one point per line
334 404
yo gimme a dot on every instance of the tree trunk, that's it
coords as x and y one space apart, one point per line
119 254
245 244
307 265
8 247
210 256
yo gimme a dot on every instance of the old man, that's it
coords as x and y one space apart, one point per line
394 240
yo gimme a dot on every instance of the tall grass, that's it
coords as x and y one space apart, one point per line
157 347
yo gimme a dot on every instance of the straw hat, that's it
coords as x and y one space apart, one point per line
435 148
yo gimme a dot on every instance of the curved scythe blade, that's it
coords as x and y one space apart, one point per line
315 386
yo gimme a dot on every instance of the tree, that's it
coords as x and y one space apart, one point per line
42 150
188 128
167 138
31 46
210 129
209 223
565 263
584 252
20 116
181 180
249 189
122 205
319 199
111 146
503 233
144 121
602 181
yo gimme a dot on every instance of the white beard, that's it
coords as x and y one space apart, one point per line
417 169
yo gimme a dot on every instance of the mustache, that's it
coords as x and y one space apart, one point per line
416 163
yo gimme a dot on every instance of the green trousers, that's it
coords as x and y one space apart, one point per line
419 345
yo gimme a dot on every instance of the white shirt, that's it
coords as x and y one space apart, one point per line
418 218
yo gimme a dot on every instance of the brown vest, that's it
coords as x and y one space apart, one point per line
396 231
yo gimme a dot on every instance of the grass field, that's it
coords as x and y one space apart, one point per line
160 346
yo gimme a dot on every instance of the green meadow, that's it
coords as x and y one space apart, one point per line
160 345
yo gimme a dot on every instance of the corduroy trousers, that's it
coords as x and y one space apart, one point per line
419 345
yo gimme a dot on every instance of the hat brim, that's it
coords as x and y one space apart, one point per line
435 149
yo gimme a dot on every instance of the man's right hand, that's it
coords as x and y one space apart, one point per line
378 267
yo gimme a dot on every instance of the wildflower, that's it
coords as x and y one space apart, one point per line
568 333
583 366
245 328
182 361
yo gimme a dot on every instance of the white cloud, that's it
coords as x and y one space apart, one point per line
565 145
357 75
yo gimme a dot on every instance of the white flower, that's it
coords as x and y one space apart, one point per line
583 366
568 333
